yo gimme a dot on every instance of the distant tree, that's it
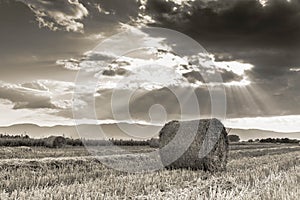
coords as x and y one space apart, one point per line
234 138
250 140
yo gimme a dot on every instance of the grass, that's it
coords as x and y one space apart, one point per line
264 173
42 152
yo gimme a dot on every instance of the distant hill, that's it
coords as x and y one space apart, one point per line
86 131
136 131
260 134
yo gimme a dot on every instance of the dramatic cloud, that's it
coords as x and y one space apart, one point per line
295 69
42 117
140 67
261 35
155 68
254 44
234 72
58 14
71 64
258 38
23 97
38 94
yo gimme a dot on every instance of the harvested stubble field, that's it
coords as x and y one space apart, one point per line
255 171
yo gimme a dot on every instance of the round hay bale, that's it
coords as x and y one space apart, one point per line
55 142
195 145
24 148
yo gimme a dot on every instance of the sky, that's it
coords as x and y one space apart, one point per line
254 45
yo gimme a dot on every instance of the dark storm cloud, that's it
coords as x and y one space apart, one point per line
245 30
266 36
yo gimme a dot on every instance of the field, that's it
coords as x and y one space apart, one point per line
255 171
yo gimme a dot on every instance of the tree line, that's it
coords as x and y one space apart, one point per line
276 140
236 138
25 140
